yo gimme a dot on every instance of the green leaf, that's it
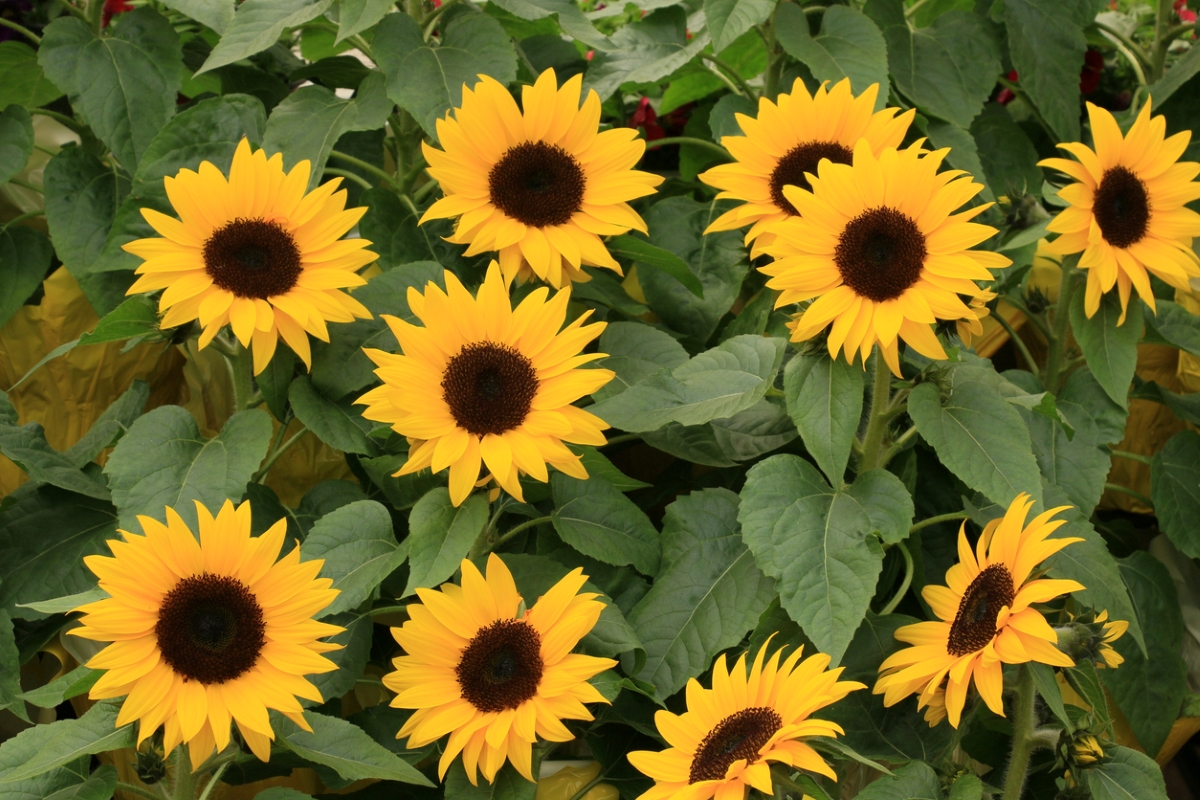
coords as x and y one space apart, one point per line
729 19
597 464
825 399
695 443
722 120
356 16
73 684
1149 688
21 78
392 229
948 68
439 536
276 379
137 316
351 660
50 746
1047 44
967 787
25 258
914 781
1184 406
570 17
163 460
1175 490
635 352
100 785
645 51
28 449
306 125
125 84
535 575
345 748
649 257
508 785
281 793
404 491
359 548
1047 687
1110 350
111 425
216 14
10 670
710 594
1174 325
1125 775
595 518
340 367
1008 157
427 81
848 46
979 437
716 384
16 141
761 428
818 544
337 424
45 533
256 25
65 605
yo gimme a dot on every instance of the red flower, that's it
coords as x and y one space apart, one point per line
113 7
1185 14
1005 96
647 118
1089 77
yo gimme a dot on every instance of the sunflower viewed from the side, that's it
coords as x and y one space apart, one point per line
1127 213
539 185
786 142
485 385
986 617
254 251
208 631
726 740
493 678
879 247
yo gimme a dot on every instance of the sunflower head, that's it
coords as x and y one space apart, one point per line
256 252
726 740
484 384
1090 636
207 631
986 617
787 141
492 677
968 328
1127 213
539 184
879 252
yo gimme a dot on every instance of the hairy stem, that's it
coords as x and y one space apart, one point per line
1162 40
1136 495
925 523
363 165
213 781
1132 456
261 475
184 787
21 29
1022 741
872 447
716 148
1019 343
904 584
1062 324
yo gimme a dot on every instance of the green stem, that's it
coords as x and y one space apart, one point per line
24 184
430 21
1136 495
524 526
131 788
61 119
872 447
95 10
897 446
1022 348
1180 30
622 439
350 176
184 787
1131 456
23 217
775 59
1022 740
904 584
240 362
363 165
1131 45
1162 40
908 12
925 523
261 475
731 74
21 29
423 190
213 781
716 148
1062 323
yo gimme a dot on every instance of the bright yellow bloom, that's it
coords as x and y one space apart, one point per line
986 616
879 248
495 681
724 743
208 631
484 384
1127 214
970 327
254 252
540 187
1112 631
786 142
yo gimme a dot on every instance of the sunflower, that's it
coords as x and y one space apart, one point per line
878 246
540 187
970 327
1112 631
986 616
209 631
786 142
494 678
254 252
484 384
1127 214
724 742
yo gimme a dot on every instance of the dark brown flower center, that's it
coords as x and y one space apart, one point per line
1122 207
801 159
975 624
502 666
489 387
210 628
252 258
738 736
537 183
880 254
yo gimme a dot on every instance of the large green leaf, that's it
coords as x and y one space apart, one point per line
345 748
72 684
915 781
708 596
729 19
1008 158
21 78
635 352
25 258
163 460
16 140
570 17
1175 490
595 518
49 746
256 25
1125 775
645 51
356 16
1149 688
10 669
426 81
98 786
359 548
818 543
391 227
1174 325
125 84
28 449
849 45
1047 45
650 258
216 14
439 536
111 425
1110 349
716 384
338 424
508 785
825 399
761 428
